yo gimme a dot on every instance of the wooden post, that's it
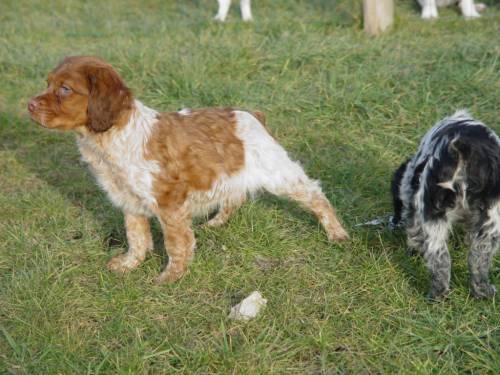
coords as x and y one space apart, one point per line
378 15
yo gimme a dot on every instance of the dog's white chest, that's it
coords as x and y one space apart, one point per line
123 172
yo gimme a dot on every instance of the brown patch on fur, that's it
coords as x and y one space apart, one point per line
83 92
193 151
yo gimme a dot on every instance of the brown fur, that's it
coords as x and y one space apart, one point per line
193 152
97 99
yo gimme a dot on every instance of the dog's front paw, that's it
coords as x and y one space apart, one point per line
483 290
123 263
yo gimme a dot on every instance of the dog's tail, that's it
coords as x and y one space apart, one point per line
262 119
260 116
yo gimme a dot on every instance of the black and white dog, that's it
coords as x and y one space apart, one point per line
455 175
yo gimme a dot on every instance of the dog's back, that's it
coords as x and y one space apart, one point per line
458 160
454 175
463 161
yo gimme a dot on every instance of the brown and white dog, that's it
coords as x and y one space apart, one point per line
169 165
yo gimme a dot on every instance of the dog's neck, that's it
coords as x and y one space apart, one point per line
136 130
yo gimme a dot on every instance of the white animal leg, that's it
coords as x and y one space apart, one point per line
223 10
469 9
429 9
246 11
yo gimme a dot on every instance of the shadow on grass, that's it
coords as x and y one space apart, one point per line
53 158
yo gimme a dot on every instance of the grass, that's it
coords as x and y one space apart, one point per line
350 108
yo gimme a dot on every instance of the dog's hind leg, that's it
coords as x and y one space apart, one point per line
484 244
269 167
225 211
309 195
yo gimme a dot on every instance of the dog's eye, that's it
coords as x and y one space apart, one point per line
64 90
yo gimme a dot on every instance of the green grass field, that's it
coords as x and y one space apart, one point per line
350 108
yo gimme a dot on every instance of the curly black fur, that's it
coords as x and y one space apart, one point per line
455 175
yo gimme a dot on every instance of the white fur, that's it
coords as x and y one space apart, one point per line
468 8
118 161
245 5
184 112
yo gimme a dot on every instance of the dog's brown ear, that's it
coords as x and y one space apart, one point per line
109 98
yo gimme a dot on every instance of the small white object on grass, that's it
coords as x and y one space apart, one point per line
377 221
248 308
